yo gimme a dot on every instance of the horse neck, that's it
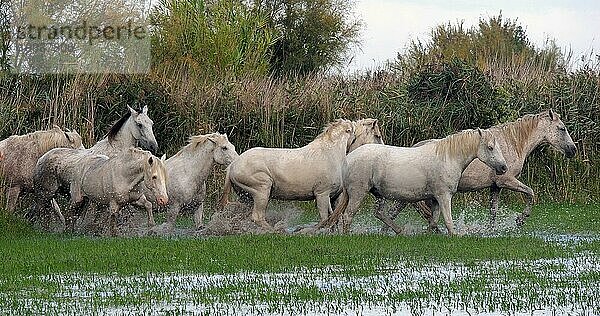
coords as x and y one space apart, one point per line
461 159
529 144
130 168
44 146
532 142
332 148
200 158
123 139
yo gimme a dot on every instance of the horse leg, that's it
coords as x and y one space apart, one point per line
76 207
394 212
168 226
147 205
324 205
445 206
260 197
435 216
59 214
518 186
494 193
199 215
355 196
114 210
380 214
424 208
11 197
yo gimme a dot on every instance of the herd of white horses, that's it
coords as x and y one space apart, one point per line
337 170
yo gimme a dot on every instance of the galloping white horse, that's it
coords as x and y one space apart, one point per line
431 171
310 172
115 181
517 140
134 129
187 172
20 154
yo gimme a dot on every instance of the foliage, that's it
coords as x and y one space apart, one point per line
314 34
5 14
492 41
210 38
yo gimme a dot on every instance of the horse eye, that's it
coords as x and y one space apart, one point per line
224 148
153 177
562 128
139 125
490 148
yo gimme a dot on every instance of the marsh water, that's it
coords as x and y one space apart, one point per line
555 286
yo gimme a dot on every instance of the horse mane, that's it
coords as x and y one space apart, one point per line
45 140
460 144
114 130
194 142
518 132
332 130
360 127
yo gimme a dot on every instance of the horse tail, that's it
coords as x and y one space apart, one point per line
339 209
226 190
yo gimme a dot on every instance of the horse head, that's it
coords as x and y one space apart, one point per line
556 134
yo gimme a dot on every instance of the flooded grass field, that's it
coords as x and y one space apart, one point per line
550 266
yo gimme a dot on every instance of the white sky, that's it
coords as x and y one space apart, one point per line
390 25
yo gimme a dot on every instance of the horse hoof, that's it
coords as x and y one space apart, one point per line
434 230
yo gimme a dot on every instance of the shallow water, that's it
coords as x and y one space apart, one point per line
548 286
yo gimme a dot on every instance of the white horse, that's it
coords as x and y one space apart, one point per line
188 171
310 172
517 140
20 154
134 129
431 171
115 181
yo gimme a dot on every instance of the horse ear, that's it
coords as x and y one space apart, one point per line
145 109
150 160
480 132
68 137
132 111
212 138
375 127
551 114
163 158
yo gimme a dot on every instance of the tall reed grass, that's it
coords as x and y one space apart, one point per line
428 102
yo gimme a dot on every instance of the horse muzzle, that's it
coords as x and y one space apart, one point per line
500 170
151 146
570 151
162 200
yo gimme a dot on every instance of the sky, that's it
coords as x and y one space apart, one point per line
390 25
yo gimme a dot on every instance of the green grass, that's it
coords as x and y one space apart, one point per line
265 253
565 218
516 271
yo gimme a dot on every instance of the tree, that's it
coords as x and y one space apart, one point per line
313 34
